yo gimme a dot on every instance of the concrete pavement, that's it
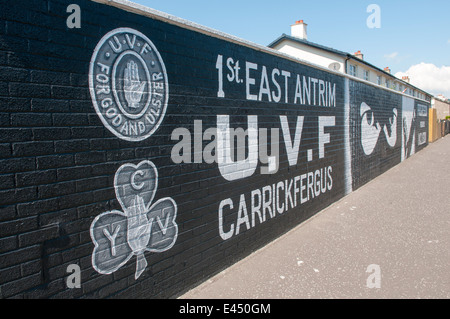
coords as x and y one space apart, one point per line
393 234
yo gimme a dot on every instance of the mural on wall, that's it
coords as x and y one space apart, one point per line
128 84
129 90
250 145
422 125
375 131
139 227
371 128
408 128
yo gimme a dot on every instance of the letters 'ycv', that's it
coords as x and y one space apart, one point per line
140 227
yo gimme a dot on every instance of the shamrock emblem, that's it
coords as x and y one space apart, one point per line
140 227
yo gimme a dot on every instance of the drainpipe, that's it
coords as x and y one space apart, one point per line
345 63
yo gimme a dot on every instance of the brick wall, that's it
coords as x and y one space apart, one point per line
115 156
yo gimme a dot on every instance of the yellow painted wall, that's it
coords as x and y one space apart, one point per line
434 126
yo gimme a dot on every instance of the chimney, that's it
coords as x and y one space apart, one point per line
299 30
359 55
406 78
386 69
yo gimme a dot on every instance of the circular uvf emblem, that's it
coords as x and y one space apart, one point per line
128 84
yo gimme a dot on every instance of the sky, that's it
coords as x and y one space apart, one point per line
413 38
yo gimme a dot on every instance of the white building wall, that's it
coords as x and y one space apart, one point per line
311 54
325 59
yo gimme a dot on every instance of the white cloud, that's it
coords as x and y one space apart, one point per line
391 56
429 77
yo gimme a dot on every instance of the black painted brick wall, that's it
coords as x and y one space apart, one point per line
58 161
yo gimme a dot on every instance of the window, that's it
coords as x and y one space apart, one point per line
366 75
388 83
378 80
352 69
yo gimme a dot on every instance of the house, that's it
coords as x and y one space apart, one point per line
442 106
298 46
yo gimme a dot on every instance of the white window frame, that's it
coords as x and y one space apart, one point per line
366 75
352 69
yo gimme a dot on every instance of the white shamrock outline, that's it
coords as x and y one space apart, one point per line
139 237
